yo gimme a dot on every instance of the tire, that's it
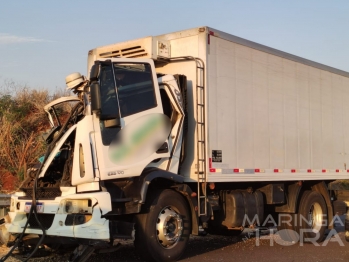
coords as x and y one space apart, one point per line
310 217
286 227
347 236
167 213
346 226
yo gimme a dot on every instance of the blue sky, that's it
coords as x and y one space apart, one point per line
43 41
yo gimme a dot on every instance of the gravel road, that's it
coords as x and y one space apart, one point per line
267 248
246 247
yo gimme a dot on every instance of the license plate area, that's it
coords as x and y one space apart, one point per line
39 207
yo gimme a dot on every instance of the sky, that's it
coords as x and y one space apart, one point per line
41 42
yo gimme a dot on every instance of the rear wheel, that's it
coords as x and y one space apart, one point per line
308 225
347 226
311 217
163 232
286 227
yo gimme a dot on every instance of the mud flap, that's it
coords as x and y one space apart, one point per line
81 253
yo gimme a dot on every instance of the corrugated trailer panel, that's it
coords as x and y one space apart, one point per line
270 115
275 115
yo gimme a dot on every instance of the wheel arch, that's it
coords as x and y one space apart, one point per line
154 179
292 198
295 192
191 199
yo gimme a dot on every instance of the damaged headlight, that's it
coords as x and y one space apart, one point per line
70 206
79 211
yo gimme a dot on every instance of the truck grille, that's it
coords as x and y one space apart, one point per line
42 193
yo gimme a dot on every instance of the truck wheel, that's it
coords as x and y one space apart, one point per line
346 226
286 227
163 232
310 224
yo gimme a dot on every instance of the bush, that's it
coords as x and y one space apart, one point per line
22 121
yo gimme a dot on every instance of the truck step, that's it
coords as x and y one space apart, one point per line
121 200
81 253
120 236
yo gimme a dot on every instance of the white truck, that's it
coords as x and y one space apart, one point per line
183 132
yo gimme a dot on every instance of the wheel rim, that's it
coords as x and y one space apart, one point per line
315 217
169 227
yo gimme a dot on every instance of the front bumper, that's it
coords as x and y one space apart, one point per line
53 217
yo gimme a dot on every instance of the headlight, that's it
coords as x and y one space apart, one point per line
79 211
77 219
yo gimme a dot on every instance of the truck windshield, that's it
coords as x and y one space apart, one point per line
126 89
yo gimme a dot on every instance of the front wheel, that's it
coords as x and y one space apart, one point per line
163 232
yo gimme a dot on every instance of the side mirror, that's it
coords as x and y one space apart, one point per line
95 97
94 73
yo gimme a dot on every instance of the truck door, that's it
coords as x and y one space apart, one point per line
131 129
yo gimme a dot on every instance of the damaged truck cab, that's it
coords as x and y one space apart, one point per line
120 140
187 132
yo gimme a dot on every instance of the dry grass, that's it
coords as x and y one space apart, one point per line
22 121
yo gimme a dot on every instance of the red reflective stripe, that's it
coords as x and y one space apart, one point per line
236 170
258 170
276 170
211 33
337 170
212 170
323 170
210 163
309 170
293 170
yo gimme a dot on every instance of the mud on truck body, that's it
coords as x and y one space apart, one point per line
188 130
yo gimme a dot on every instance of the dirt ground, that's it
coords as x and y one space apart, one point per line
247 247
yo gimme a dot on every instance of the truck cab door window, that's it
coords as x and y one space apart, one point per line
126 89
135 87
109 104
